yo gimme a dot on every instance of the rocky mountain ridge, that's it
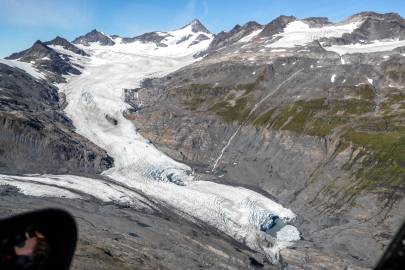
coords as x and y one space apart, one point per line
94 36
59 41
54 64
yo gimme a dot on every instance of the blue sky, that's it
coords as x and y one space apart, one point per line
24 21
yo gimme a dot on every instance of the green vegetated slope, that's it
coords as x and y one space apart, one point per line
372 128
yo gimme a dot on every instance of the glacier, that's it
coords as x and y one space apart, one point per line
98 94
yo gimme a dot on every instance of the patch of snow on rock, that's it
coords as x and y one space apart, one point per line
332 79
27 67
250 36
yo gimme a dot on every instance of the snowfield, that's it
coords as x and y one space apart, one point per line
72 187
98 95
299 33
376 46
27 67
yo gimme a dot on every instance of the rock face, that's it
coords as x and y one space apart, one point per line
320 132
35 135
59 41
92 37
44 58
238 32
277 25
148 37
317 21
375 26
197 26
159 37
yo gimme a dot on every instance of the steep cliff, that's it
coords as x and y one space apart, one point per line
36 136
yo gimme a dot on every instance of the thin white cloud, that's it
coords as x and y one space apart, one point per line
205 7
64 14
190 10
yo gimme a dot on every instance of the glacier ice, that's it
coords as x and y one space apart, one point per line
99 91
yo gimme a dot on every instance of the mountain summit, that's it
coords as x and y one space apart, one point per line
47 59
59 41
197 26
38 50
94 36
187 36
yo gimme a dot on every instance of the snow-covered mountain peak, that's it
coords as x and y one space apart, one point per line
65 44
52 59
94 36
189 35
186 41
37 50
197 26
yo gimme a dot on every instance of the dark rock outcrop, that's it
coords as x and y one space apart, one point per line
375 26
46 59
197 26
153 37
200 37
66 45
228 38
317 21
277 25
158 37
37 51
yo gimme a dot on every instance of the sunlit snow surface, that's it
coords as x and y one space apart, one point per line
36 189
71 186
299 33
251 36
98 92
333 78
27 67
376 46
